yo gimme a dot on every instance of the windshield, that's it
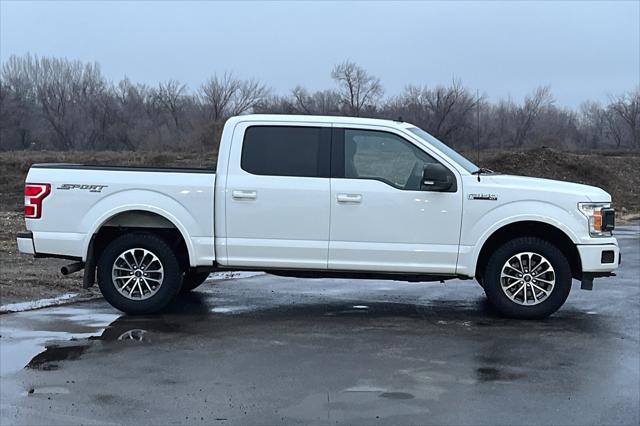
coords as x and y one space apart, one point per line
466 164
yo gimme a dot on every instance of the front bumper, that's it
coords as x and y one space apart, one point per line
599 257
25 243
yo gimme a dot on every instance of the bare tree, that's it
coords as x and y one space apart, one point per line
19 122
227 96
357 88
64 92
527 115
276 105
302 100
451 108
614 126
324 102
592 124
444 111
170 96
249 93
627 107
217 94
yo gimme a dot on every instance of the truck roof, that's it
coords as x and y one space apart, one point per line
321 119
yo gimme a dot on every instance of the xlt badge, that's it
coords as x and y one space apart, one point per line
489 197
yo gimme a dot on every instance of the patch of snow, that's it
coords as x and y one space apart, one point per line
233 275
65 298
37 304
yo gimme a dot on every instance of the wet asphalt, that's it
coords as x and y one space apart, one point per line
270 350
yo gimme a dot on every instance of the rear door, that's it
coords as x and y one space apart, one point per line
277 195
381 218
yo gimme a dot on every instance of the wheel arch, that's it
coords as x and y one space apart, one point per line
529 228
140 219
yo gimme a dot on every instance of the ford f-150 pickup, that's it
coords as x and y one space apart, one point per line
310 196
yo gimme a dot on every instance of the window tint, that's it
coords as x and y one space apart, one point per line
286 151
384 156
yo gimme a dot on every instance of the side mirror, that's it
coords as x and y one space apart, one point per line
436 177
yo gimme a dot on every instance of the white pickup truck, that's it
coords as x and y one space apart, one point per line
309 196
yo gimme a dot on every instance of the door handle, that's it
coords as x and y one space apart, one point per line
349 198
244 195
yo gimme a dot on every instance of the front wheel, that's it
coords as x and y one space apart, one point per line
139 273
527 278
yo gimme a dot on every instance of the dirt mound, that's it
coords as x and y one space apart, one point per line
616 173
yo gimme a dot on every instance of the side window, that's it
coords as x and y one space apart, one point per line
383 156
286 151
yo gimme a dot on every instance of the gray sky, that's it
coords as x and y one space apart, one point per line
584 50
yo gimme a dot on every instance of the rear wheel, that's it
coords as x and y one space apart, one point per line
139 273
192 280
527 278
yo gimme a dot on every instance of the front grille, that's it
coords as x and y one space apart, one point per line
608 219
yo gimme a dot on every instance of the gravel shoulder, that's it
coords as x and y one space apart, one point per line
22 277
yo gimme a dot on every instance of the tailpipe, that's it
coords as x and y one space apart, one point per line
71 268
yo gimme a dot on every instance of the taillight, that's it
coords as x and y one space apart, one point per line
34 193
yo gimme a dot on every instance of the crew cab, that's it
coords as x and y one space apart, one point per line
313 196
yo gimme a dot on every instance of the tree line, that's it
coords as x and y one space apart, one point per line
61 104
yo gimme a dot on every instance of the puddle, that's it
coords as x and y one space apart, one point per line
43 340
396 395
26 335
48 359
229 309
48 390
347 406
365 388
123 329
491 374
137 335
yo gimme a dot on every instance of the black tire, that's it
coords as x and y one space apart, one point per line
193 280
171 279
492 281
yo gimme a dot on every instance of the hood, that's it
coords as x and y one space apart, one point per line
589 193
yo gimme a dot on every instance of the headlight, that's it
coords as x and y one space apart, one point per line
593 212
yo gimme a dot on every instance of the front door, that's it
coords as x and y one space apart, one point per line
277 196
381 219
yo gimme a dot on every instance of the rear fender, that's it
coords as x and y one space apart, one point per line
142 200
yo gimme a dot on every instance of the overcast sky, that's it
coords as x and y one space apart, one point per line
584 50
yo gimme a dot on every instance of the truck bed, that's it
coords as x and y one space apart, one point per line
83 198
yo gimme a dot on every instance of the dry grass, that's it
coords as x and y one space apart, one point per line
15 165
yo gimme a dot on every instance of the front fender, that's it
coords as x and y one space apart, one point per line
143 200
477 230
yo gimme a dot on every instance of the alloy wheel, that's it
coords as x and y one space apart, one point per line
137 274
527 278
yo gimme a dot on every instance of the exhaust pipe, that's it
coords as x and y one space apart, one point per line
71 268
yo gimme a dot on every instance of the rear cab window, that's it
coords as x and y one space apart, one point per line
286 151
